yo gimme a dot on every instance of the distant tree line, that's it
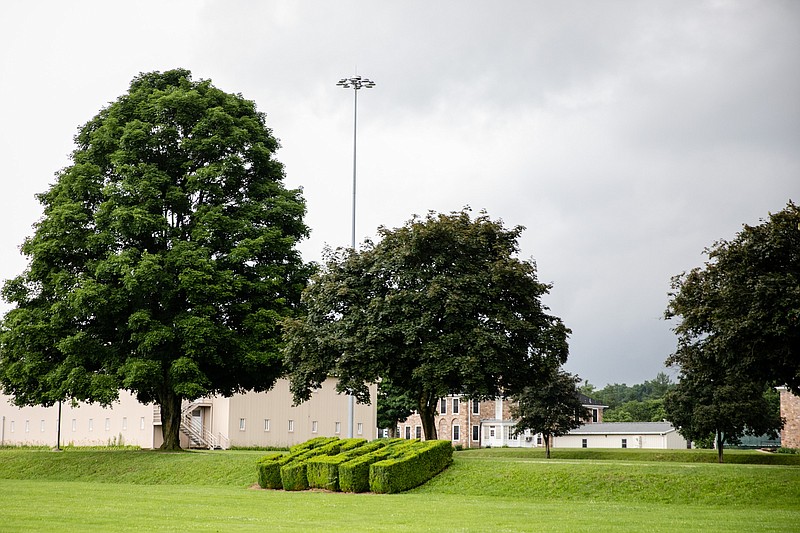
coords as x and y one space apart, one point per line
643 402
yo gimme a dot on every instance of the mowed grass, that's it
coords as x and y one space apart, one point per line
484 490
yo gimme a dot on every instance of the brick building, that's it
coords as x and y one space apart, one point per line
476 424
790 411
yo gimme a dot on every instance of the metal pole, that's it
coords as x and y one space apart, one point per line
356 83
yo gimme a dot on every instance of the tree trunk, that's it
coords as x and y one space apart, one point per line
546 446
170 420
719 446
427 413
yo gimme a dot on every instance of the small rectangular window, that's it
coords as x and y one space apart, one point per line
443 406
124 423
476 407
27 426
408 432
266 424
74 425
291 425
41 426
360 428
455 406
313 426
242 424
584 443
108 424
539 440
624 443
337 428
456 433
141 423
12 426
594 415
476 433
91 425
418 432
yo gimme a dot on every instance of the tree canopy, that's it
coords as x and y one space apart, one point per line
165 259
738 332
439 306
552 409
742 309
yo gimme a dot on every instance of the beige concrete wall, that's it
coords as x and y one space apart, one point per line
325 414
672 440
124 422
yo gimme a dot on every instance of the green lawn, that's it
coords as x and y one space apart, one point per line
484 490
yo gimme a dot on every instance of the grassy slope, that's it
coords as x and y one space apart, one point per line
495 490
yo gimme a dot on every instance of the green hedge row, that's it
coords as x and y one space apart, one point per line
412 468
353 465
323 471
269 467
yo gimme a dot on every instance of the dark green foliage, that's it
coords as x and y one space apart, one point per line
739 332
165 260
310 444
643 402
412 469
441 305
269 467
552 409
740 311
293 473
394 405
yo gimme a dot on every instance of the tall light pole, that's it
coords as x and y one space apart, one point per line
355 83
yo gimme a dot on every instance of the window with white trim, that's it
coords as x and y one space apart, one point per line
124 423
242 424
141 423
456 433
74 424
455 405
266 424
408 432
476 433
313 426
337 428
27 426
584 443
41 426
443 406
108 424
418 432
12 426
476 407
360 428
624 443
91 425
291 425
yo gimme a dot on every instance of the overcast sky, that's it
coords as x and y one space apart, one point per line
625 136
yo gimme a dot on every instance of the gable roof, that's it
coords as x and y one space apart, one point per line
624 428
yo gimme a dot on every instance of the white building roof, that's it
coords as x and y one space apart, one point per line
624 428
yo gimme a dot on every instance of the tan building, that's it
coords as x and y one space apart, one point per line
790 411
251 419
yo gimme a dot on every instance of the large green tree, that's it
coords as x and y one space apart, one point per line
165 259
552 409
709 401
738 331
742 308
439 306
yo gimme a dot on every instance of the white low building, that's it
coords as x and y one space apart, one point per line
250 419
651 435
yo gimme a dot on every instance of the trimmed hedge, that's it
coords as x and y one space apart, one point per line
353 465
412 468
269 467
323 471
354 474
294 474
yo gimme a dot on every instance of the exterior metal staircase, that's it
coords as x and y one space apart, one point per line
199 437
